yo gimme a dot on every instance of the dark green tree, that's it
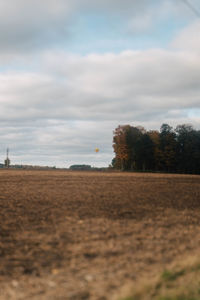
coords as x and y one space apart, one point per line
145 153
188 151
168 147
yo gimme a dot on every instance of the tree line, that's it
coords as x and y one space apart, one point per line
168 150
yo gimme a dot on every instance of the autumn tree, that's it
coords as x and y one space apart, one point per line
167 151
126 144
121 147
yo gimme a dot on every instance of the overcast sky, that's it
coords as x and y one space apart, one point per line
71 71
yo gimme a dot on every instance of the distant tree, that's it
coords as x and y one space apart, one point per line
146 159
167 150
121 147
188 151
126 144
134 135
196 152
113 163
157 153
80 167
168 145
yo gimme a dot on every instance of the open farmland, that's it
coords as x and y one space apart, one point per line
84 235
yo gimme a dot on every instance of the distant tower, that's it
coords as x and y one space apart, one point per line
7 160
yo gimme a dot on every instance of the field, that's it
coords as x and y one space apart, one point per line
88 235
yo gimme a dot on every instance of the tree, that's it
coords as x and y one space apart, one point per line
168 147
145 157
167 150
188 151
121 148
157 153
126 144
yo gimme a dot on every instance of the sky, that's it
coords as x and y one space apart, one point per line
71 71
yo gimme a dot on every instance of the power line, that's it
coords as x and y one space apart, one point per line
195 11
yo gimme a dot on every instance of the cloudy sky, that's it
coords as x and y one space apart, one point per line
71 71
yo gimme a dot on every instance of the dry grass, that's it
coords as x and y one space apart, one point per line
181 281
83 235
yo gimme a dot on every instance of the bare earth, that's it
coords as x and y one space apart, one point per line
84 235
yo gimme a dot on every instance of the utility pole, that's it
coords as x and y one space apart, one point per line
7 160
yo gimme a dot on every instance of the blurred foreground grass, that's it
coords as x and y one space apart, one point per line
179 282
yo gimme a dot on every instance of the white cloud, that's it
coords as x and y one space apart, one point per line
73 103
57 107
188 39
27 26
110 86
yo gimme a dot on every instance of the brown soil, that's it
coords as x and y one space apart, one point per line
83 235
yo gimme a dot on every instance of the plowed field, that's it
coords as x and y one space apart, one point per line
84 235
